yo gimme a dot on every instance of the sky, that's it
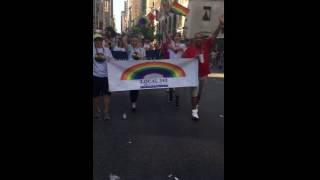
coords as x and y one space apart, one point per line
118 6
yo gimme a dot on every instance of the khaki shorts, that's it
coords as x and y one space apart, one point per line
197 91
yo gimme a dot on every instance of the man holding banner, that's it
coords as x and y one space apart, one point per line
200 48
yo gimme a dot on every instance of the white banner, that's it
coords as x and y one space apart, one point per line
152 74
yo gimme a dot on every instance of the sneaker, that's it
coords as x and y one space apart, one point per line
195 115
96 115
133 107
106 116
124 116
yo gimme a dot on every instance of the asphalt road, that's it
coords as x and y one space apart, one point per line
159 139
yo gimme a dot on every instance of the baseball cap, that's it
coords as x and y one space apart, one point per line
96 36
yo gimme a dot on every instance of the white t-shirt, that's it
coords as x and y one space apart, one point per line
146 46
178 55
119 49
140 51
100 69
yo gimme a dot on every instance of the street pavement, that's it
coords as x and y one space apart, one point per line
160 140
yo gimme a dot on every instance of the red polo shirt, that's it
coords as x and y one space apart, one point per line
193 51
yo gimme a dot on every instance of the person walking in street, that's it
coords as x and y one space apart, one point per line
147 44
122 44
106 42
164 46
101 56
136 52
200 48
176 49
164 50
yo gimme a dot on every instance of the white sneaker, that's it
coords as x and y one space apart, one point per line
133 107
114 177
107 116
195 115
96 115
124 116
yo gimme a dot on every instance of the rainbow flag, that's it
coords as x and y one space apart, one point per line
179 9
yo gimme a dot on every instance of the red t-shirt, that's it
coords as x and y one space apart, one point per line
193 51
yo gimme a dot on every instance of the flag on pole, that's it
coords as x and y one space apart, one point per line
179 9
151 17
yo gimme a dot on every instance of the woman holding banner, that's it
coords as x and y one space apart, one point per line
136 52
122 44
100 77
176 49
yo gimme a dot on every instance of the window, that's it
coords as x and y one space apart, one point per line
207 13
106 6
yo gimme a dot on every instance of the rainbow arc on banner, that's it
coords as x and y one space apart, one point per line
147 69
